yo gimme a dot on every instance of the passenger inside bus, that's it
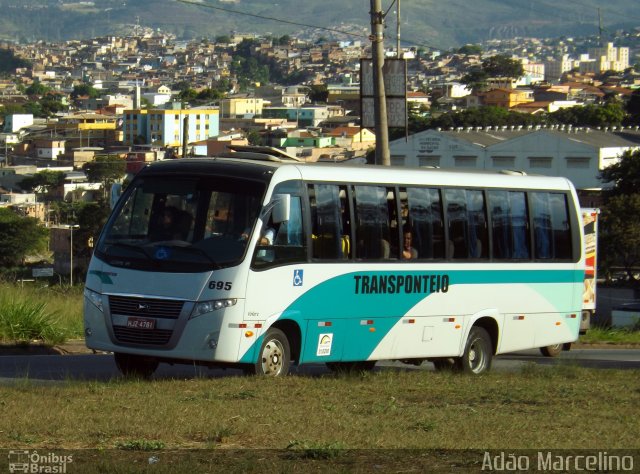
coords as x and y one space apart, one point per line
172 224
408 251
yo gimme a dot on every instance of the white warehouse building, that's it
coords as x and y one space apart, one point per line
575 153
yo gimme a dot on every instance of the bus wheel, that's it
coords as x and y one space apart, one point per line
275 355
555 349
131 365
351 367
478 352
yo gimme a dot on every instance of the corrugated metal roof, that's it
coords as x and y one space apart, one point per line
618 138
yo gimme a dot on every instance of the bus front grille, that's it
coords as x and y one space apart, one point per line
145 307
154 337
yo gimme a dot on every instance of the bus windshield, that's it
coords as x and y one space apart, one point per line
192 224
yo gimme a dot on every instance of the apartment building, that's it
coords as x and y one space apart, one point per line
607 58
171 126
241 107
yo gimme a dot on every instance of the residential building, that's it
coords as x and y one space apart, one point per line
221 143
10 176
87 129
307 116
25 204
555 68
608 58
353 138
171 126
48 148
14 122
241 107
506 98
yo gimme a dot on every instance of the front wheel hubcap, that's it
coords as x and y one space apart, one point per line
272 358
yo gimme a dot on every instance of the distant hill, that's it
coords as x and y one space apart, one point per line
429 23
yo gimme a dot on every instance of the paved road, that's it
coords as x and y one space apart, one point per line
51 368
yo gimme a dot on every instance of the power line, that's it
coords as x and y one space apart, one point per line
608 11
278 20
295 23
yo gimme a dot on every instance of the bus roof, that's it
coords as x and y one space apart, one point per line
261 168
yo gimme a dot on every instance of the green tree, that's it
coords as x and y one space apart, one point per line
20 237
50 104
90 217
624 175
319 93
633 107
34 108
250 68
208 95
590 115
37 89
620 219
9 62
502 65
84 90
483 116
470 50
254 138
106 169
188 95
9 109
620 234
223 39
476 78
42 182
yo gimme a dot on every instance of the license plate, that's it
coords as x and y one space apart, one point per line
141 323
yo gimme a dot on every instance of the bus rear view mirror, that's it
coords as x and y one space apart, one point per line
281 208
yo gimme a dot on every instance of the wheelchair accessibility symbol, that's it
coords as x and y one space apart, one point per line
298 277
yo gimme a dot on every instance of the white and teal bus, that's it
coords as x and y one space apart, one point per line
258 262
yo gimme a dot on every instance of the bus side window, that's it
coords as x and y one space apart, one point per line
282 242
423 208
330 223
478 232
551 230
372 223
458 247
509 225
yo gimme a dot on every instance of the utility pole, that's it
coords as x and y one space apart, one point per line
185 135
398 53
600 40
379 102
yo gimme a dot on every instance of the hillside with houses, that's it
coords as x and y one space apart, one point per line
95 111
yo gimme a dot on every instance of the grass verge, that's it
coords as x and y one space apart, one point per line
598 335
48 315
557 407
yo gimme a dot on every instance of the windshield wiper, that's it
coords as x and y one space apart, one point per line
194 250
135 248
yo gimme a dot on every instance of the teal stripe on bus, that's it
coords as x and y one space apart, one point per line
336 300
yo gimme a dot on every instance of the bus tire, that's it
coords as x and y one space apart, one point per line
554 350
135 366
478 352
274 356
351 367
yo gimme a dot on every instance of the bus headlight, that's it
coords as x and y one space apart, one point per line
95 298
213 305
